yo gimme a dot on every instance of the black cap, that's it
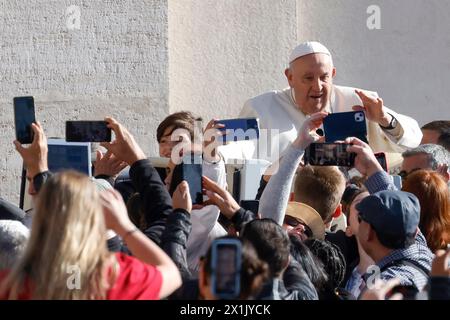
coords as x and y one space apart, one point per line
392 213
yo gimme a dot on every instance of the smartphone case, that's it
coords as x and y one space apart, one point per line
243 129
192 173
339 126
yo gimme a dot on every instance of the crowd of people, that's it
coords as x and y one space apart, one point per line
101 238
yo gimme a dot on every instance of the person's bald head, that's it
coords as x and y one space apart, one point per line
311 79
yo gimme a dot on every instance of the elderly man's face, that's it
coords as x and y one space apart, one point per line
311 77
415 162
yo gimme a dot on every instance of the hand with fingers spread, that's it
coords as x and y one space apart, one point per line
220 197
115 212
381 289
124 147
108 164
181 198
35 156
373 108
212 139
365 161
440 266
307 133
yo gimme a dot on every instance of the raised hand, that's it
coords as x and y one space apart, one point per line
108 164
220 197
373 108
307 133
124 147
35 156
365 162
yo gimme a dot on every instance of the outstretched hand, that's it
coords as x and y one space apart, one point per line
373 108
35 156
108 164
124 147
220 197
307 134
365 161
181 198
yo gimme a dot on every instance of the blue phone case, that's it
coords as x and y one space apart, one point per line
339 126
240 129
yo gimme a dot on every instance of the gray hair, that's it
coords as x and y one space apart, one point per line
13 240
436 154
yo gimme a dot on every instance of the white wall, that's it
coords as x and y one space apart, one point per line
116 63
407 61
222 52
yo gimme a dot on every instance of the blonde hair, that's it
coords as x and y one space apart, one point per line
68 232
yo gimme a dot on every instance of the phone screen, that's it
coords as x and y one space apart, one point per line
329 154
24 116
87 131
226 270
240 129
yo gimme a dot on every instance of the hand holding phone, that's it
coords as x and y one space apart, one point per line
226 260
87 131
365 161
24 116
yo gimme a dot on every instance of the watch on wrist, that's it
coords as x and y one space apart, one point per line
392 124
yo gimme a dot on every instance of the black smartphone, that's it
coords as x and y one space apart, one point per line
87 131
240 129
191 171
381 158
252 205
329 154
24 116
339 126
226 256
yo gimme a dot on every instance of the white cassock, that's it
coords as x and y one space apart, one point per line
276 110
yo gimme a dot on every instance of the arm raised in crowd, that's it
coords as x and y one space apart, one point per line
35 157
226 203
367 164
275 197
156 200
177 230
116 218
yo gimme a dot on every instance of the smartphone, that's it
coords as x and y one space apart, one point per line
329 154
24 116
226 255
87 131
190 170
339 126
240 129
252 205
381 157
